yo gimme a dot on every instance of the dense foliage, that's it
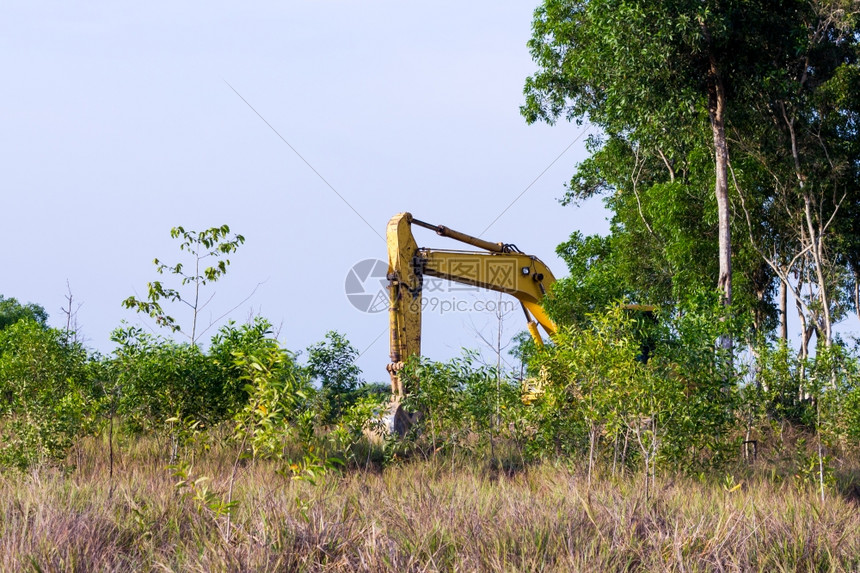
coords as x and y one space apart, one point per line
47 397
11 311
647 74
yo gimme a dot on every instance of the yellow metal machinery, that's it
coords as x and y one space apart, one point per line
498 266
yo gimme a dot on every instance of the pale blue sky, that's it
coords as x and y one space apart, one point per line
118 125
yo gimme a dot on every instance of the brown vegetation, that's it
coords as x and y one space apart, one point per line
413 516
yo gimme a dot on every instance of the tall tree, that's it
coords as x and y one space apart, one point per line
799 163
653 73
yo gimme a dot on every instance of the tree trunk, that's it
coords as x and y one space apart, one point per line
783 311
815 229
717 109
717 105
818 258
804 331
857 293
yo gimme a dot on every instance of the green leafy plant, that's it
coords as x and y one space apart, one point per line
156 379
277 392
201 246
46 398
231 340
331 363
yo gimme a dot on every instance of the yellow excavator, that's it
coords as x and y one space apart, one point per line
497 266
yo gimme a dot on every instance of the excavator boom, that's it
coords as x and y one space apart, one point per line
501 267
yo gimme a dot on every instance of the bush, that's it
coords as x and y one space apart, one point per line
601 398
331 363
462 405
47 398
157 379
230 341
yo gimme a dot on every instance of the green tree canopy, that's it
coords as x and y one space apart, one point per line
331 362
660 78
11 311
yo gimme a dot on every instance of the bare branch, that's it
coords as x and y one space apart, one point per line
244 300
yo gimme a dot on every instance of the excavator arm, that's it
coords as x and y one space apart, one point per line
501 267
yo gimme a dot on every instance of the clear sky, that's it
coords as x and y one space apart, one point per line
118 124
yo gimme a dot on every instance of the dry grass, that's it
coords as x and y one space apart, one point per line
419 516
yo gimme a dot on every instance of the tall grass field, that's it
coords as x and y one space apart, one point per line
421 514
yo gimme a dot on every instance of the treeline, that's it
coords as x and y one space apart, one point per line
650 392
55 392
635 391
